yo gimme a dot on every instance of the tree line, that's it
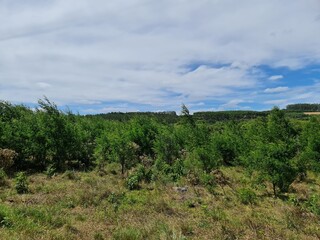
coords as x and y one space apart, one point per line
278 149
304 107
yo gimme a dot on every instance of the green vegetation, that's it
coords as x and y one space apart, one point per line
304 107
66 176
21 183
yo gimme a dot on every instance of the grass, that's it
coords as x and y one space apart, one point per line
312 113
89 205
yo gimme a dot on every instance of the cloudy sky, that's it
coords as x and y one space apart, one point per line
147 55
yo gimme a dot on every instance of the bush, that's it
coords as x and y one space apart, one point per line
7 157
4 217
313 204
21 183
50 171
247 196
132 182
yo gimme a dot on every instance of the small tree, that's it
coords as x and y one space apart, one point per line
166 146
21 183
186 116
123 151
116 147
273 150
309 158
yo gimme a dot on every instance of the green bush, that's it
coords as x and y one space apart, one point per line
247 196
21 183
50 171
116 200
132 182
4 217
313 204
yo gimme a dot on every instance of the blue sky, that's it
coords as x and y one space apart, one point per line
146 55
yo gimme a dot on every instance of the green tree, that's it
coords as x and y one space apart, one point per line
116 147
310 141
59 132
166 146
143 132
273 151
228 143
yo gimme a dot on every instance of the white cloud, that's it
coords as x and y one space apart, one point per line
43 85
275 77
79 51
277 102
276 90
232 104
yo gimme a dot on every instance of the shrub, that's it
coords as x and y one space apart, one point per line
50 171
21 183
132 182
144 173
313 204
247 196
116 200
7 157
4 217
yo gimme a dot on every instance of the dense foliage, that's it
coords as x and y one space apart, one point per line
304 107
148 148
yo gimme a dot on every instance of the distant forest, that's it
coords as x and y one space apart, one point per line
304 107
292 111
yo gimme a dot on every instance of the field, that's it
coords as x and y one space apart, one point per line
97 205
312 113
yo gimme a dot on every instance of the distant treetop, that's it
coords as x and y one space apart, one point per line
304 107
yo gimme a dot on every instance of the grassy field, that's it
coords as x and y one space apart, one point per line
97 205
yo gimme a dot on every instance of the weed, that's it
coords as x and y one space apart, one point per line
50 171
71 175
163 207
98 236
187 229
127 233
313 204
116 200
21 183
5 220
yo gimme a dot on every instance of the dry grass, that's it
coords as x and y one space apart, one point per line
312 113
98 206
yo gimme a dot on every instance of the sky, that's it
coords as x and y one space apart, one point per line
98 56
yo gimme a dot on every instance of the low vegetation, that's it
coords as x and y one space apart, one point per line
100 205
